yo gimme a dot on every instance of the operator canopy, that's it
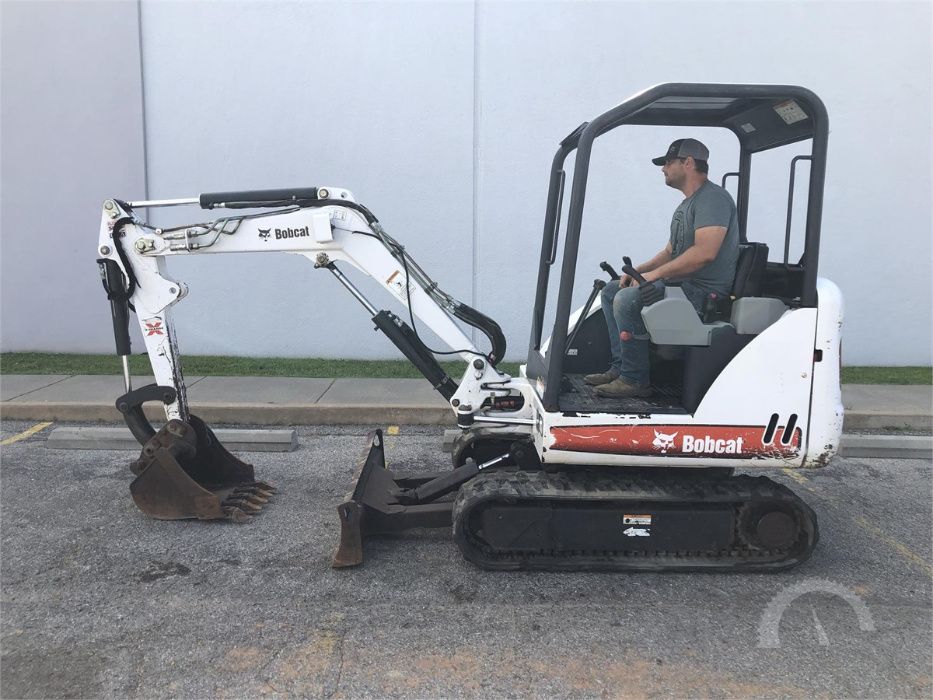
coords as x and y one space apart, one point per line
761 116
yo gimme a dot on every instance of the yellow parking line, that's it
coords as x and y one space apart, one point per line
899 547
392 430
796 476
26 433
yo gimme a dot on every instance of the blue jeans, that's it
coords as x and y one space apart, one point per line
629 344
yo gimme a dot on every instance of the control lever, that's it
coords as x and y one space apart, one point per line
633 273
608 269
648 293
598 286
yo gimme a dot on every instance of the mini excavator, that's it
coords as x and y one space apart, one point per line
546 474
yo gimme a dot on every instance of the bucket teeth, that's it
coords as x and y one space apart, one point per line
246 500
236 515
243 504
250 496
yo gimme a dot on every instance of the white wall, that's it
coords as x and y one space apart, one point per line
544 68
443 119
71 134
375 98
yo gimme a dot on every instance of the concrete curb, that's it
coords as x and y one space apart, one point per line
92 438
887 446
868 420
278 414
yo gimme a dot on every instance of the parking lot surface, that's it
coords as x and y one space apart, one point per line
100 601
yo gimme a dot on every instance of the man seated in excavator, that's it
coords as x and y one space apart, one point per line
701 254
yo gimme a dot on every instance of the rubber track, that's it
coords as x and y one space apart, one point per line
742 491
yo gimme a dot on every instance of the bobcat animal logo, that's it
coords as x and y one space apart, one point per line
264 233
664 442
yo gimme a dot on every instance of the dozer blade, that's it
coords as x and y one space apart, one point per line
184 472
373 507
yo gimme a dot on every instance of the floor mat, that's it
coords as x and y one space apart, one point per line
577 395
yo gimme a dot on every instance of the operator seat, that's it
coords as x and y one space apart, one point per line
703 364
750 269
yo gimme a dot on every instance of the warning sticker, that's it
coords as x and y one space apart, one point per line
396 285
748 127
790 112
636 532
636 519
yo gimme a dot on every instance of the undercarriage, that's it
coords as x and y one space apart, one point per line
505 517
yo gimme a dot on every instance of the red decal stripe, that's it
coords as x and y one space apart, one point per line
726 442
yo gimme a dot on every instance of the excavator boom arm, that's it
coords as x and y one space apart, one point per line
323 224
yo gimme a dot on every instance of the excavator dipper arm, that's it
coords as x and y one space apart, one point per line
183 470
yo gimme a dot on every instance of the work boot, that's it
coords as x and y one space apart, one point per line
602 377
622 388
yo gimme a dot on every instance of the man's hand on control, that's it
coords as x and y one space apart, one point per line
628 281
650 276
648 292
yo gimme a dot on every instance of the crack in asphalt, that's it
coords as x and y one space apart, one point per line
340 642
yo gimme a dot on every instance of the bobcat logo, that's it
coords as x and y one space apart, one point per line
264 233
665 442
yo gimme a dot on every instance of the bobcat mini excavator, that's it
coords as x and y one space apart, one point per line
546 474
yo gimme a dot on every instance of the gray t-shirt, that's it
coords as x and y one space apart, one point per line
710 205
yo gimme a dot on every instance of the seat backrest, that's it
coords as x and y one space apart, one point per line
750 269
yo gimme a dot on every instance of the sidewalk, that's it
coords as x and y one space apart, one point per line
312 401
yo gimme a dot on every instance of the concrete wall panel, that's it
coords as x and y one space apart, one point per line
377 98
543 68
443 119
72 135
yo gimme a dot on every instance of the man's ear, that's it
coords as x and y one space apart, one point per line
690 162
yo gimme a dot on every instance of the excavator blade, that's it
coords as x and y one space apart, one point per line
370 490
184 472
373 506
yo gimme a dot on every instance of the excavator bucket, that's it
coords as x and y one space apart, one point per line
184 472
374 507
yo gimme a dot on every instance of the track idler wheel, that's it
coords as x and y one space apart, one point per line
770 528
184 472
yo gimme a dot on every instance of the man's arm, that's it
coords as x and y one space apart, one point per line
705 248
663 256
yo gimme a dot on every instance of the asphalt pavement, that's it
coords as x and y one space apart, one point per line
100 601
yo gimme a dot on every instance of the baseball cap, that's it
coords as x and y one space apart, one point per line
681 148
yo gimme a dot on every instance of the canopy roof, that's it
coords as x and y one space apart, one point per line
761 116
